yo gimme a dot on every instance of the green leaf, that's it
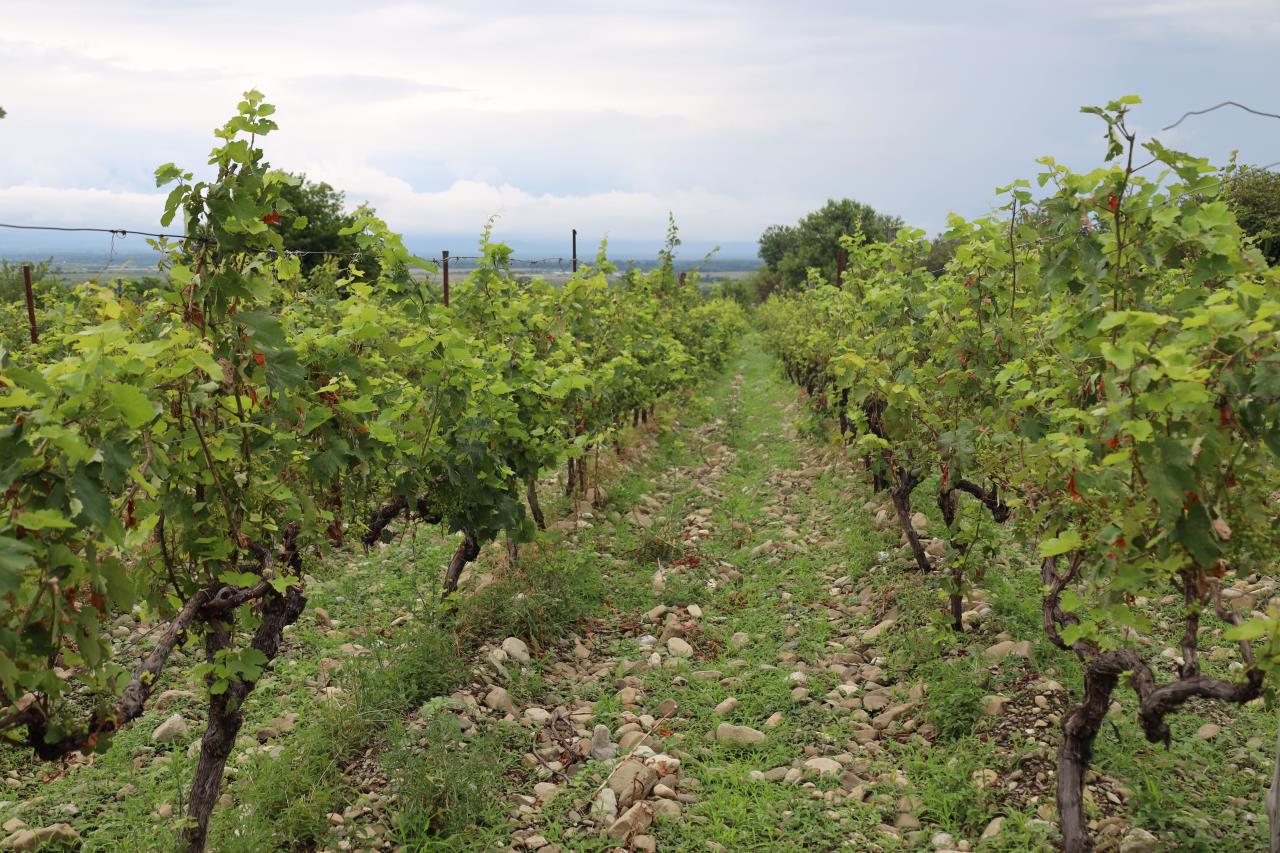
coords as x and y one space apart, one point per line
43 519
1063 543
15 558
133 405
243 579
1254 629
96 507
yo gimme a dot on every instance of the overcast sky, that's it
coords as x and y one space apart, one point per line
605 115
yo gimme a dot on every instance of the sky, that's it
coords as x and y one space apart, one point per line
604 116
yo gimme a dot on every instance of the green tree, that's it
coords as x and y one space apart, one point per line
323 214
941 251
789 251
1254 196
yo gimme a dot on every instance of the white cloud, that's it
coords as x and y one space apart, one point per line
1238 19
573 113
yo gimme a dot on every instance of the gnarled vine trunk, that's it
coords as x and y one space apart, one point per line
1103 671
570 483
535 507
948 505
225 716
1079 729
901 496
468 549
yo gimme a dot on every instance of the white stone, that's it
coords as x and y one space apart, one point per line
516 649
170 730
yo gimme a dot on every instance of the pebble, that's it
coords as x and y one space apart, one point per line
1208 731
632 780
824 766
602 748
498 699
516 649
170 730
731 735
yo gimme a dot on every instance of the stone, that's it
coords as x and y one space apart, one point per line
731 735
774 720
993 706
667 810
993 828
679 648
602 747
695 611
644 843
999 651
919 523
943 841
169 697
1139 840
877 700
170 730
906 820
23 839
635 819
605 806
13 824
824 766
32 839
632 739
728 706
537 716
322 617
740 640
984 778
498 699
1208 731
936 548
516 649
632 780
535 842
545 791
872 634
628 696
665 765
865 735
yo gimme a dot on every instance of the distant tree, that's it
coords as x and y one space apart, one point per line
326 215
2 112
775 243
789 251
12 286
1254 195
941 251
